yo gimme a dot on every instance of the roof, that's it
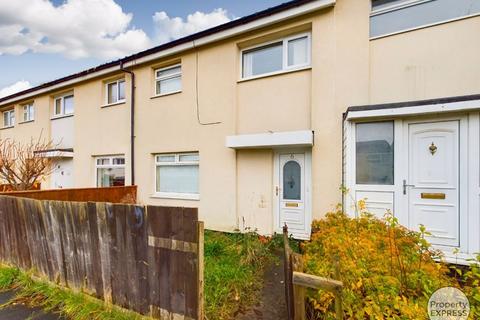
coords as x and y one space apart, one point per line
229 25
414 103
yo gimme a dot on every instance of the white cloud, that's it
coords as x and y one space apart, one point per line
14 88
168 29
76 29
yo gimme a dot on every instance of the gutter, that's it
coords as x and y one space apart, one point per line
231 29
132 122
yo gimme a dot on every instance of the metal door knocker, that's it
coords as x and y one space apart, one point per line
433 148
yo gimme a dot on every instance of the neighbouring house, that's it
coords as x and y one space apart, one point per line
259 121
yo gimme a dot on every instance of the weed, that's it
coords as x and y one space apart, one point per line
49 297
233 269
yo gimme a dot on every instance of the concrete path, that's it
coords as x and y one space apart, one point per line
20 312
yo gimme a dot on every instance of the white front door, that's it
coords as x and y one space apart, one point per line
62 176
432 186
292 194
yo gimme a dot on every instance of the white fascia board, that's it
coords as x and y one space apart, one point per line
60 85
415 110
256 24
56 154
302 138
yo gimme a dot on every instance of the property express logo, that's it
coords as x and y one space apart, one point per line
448 304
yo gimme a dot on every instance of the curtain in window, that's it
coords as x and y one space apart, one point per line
177 179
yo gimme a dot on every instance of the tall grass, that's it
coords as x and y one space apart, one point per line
49 297
234 266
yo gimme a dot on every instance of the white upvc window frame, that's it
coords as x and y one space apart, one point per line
107 94
62 105
110 164
175 162
285 67
396 6
167 77
28 112
11 118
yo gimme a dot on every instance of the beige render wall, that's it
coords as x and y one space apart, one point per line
234 185
99 131
170 124
434 62
24 132
339 79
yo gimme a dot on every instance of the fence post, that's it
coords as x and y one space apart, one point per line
338 291
298 291
288 275
200 268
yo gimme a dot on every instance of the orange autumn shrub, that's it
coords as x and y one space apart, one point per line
388 271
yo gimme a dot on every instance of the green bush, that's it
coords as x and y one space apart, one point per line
388 271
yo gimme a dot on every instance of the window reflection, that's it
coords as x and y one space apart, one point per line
374 153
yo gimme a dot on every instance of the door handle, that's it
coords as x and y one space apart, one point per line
405 185
276 190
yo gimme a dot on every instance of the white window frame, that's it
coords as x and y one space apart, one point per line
11 118
176 162
170 76
62 105
396 6
28 111
109 165
285 67
119 101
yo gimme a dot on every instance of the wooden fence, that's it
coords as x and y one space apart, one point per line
127 194
147 259
296 283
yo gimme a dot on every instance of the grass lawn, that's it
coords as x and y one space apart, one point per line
234 266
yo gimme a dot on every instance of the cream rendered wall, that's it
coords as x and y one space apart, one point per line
235 186
170 124
24 132
255 180
340 75
99 130
438 61
277 103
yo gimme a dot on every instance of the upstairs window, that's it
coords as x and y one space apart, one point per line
110 171
115 91
168 80
28 112
9 118
286 54
63 105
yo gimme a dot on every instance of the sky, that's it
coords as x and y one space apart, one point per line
42 40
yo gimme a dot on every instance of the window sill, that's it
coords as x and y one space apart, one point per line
165 94
27 121
276 73
61 116
179 196
113 104
9 127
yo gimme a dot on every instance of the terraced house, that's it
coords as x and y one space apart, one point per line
259 121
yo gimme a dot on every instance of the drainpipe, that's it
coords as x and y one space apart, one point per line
132 122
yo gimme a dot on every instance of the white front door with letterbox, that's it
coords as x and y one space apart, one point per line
292 193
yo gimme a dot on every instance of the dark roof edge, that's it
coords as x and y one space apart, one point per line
54 150
407 104
229 25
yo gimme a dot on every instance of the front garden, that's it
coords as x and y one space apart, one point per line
388 272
